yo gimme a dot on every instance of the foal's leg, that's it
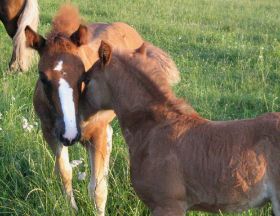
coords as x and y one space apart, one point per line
101 190
99 153
62 164
275 205
274 194
99 134
65 170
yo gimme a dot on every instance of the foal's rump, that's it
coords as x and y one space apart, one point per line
165 62
122 36
233 162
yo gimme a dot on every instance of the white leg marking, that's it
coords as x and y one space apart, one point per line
98 188
68 109
109 147
62 153
109 136
101 190
92 183
59 66
65 170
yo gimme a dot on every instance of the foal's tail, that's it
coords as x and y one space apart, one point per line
166 62
22 55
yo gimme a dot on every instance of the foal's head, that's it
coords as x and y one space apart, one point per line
60 69
124 70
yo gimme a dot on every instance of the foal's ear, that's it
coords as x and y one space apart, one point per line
80 37
34 40
142 49
105 53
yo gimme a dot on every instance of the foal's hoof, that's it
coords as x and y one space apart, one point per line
100 213
74 205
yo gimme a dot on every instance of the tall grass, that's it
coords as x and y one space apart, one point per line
227 51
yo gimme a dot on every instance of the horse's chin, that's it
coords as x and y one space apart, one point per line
67 142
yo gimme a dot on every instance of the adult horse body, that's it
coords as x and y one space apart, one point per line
179 160
16 15
69 49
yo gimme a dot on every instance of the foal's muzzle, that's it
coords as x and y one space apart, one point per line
60 131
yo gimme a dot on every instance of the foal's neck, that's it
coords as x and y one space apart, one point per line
132 105
138 108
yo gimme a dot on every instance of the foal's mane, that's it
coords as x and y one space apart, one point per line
148 71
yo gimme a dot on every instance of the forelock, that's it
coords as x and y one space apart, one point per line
61 43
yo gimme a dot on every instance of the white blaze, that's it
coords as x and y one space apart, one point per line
68 108
58 67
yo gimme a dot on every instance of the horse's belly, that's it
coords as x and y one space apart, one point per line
232 200
231 181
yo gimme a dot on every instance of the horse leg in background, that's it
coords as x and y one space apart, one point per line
22 56
62 164
99 149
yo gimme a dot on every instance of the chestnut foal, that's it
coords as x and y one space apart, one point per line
180 161
69 49
16 15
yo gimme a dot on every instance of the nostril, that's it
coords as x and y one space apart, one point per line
76 139
68 134
69 142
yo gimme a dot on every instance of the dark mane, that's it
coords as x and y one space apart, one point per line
148 72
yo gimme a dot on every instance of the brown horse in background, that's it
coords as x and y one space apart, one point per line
68 50
16 15
180 161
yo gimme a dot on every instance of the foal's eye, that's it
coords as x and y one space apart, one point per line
44 78
86 81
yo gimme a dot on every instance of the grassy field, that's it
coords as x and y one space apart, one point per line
228 53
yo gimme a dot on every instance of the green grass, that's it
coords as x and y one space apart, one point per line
228 53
